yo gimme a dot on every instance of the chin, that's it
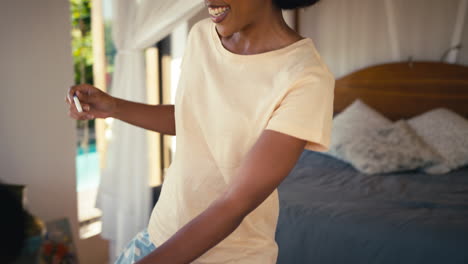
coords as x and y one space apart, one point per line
224 31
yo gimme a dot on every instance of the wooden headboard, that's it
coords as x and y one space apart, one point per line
403 90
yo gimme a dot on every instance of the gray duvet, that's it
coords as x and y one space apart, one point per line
330 213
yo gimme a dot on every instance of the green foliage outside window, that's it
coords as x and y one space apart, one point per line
81 41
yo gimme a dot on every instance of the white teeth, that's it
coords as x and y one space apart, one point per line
217 11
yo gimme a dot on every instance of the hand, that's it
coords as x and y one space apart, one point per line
95 103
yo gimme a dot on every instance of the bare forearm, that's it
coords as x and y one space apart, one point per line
158 118
198 236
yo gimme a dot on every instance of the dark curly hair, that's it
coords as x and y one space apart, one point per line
293 4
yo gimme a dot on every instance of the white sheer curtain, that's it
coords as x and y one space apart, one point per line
124 194
354 34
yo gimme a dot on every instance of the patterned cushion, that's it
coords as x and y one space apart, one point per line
447 133
391 149
357 119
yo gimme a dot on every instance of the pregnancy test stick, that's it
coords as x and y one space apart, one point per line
77 104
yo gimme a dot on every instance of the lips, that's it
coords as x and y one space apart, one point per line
218 13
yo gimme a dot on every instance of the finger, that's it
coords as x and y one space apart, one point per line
71 92
75 114
72 112
80 116
86 117
82 89
83 97
86 107
68 101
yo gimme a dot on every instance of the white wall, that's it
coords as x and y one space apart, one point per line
351 35
37 139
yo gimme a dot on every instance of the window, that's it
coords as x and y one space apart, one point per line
88 45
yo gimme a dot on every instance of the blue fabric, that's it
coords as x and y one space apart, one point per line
138 248
330 213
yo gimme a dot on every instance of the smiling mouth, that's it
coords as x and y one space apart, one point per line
218 13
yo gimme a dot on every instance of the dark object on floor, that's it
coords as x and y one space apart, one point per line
22 236
13 221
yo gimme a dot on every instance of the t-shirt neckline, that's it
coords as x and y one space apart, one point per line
268 54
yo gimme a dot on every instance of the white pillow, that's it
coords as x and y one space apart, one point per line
447 133
357 119
393 148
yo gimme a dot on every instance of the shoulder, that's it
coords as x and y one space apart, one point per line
201 29
199 36
305 65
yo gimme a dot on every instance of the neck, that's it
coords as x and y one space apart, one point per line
269 32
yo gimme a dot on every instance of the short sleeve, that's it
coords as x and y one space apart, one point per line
306 112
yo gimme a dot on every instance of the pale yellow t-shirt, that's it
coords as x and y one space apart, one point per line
223 103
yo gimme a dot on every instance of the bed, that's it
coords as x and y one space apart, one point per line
331 213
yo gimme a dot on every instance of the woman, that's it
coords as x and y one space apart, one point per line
252 95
